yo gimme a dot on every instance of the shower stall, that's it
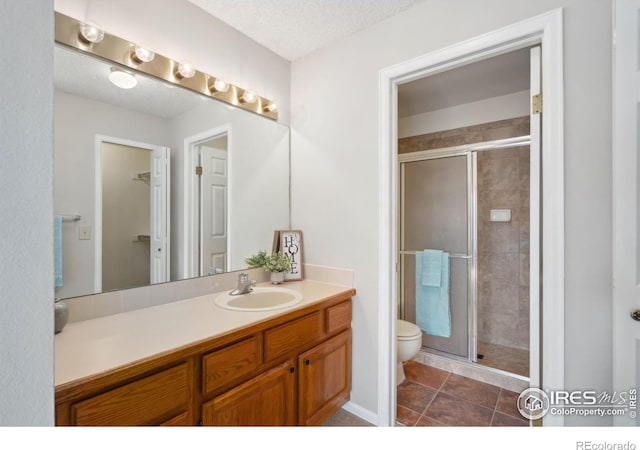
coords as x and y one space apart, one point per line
472 202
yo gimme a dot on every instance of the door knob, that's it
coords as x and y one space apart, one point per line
635 315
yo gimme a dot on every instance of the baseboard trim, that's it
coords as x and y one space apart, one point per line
361 412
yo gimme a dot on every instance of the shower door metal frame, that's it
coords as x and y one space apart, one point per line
470 151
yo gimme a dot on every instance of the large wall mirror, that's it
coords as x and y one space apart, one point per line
157 183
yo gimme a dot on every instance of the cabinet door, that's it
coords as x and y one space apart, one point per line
324 379
267 399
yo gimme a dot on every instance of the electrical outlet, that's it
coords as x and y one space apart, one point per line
84 232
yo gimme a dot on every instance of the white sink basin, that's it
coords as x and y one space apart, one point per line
260 299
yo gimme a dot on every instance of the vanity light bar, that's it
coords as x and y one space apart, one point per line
120 51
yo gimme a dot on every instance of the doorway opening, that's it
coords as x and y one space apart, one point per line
207 162
132 181
546 31
470 202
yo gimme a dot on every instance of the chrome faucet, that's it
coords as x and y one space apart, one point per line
244 285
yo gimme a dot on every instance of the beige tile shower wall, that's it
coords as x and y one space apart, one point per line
491 131
503 248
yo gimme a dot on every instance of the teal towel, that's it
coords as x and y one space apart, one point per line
432 268
57 249
433 312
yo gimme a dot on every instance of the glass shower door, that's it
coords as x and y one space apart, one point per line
436 215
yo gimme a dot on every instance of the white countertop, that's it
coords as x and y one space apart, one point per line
94 346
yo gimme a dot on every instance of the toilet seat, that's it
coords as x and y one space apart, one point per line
407 331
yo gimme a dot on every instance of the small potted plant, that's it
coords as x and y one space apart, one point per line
276 263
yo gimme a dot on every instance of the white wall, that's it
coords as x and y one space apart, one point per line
180 30
77 121
335 164
475 113
26 218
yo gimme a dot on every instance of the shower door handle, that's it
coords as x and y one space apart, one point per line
635 315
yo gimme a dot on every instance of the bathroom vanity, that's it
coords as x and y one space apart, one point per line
194 363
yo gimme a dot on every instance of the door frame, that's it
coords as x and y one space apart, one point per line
97 228
544 30
190 217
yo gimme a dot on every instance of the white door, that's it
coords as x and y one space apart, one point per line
535 87
160 214
626 250
213 207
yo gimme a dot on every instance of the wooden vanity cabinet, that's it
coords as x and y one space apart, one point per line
322 377
294 369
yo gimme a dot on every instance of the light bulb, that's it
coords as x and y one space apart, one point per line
122 79
271 106
91 33
143 55
185 70
219 86
249 97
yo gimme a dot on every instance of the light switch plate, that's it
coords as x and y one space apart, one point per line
84 232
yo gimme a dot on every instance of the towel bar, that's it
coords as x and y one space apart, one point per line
451 255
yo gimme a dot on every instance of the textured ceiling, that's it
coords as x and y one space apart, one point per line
88 77
295 28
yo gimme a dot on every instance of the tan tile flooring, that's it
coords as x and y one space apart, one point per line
512 360
434 397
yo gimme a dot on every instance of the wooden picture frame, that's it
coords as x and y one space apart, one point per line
290 243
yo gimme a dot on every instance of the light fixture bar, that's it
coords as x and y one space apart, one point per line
122 52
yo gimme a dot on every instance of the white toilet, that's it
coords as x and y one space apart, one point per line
409 338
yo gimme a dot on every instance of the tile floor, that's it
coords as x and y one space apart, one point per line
434 397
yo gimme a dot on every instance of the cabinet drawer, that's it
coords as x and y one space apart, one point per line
230 363
339 317
143 402
292 336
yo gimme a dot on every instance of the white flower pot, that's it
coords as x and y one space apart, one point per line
277 277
